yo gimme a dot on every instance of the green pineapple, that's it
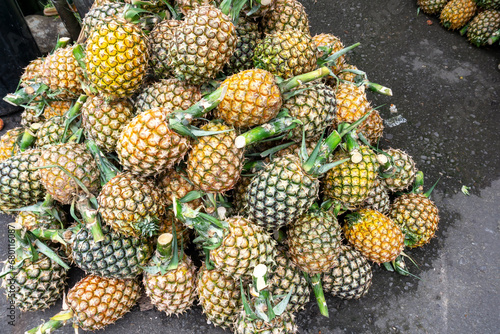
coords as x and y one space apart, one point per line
399 171
483 26
248 34
432 6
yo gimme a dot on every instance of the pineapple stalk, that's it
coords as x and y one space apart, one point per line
56 322
317 287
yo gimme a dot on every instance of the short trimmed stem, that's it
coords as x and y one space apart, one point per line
61 43
27 140
328 146
377 88
296 81
264 131
164 245
75 109
90 216
319 294
495 37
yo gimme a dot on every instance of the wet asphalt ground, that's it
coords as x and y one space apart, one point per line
447 95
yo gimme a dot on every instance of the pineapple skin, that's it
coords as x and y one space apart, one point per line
36 285
280 193
8 143
417 216
457 13
286 53
285 14
248 34
252 98
375 235
220 296
432 6
214 163
351 278
173 292
97 302
483 26
336 44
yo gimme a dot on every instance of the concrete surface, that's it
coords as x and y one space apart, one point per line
448 91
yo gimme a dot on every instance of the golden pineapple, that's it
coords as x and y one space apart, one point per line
56 108
375 235
457 13
185 6
8 143
214 163
177 183
147 146
104 121
116 58
252 98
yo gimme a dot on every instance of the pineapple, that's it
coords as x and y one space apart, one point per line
483 26
147 146
20 181
375 235
236 245
131 205
104 121
32 114
170 94
283 324
378 198
345 73
94 303
333 42
31 220
489 4
195 54
351 182
314 241
252 98
417 216
61 164
219 295
286 14
34 285
214 163
159 40
166 225
185 6
32 73
248 34
115 256
176 183
62 73
401 172
9 143
314 105
432 6
99 12
116 58
53 131
286 53
56 108
457 13
170 283
351 278
286 278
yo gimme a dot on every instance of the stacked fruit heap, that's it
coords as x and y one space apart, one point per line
479 19
226 123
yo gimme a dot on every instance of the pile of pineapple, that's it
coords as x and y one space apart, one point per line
478 19
202 152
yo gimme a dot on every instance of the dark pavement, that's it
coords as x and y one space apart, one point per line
448 91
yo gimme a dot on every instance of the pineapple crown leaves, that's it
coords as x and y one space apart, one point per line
148 226
43 209
27 247
211 229
264 300
233 7
399 265
418 185
166 256
27 95
107 168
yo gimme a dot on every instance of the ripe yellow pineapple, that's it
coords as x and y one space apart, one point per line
335 43
457 13
375 235
116 58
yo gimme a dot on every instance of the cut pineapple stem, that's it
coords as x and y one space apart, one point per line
106 167
495 37
298 80
51 325
27 140
275 127
318 293
164 245
61 43
91 217
377 88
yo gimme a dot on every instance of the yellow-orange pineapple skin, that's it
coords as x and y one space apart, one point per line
147 146
252 98
457 13
177 183
8 146
214 163
56 108
375 235
97 302
116 58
